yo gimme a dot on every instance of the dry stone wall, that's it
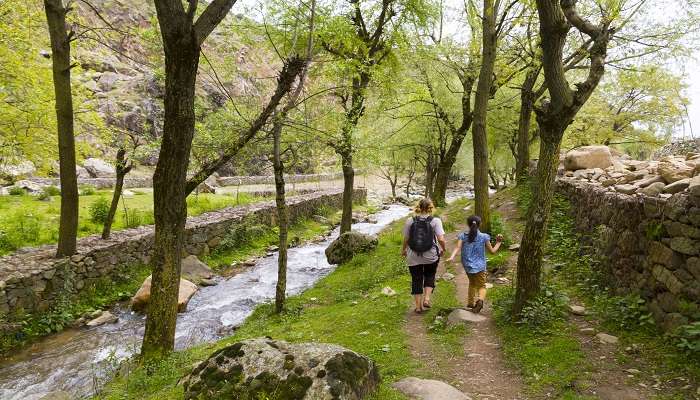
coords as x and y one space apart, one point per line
32 280
650 244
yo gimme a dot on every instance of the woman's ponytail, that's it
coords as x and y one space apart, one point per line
473 223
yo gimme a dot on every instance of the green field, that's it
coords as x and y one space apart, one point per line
28 221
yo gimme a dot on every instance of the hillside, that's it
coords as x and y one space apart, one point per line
118 80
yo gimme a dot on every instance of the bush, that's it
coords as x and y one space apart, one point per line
99 210
242 234
17 191
133 219
688 338
87 190
51 191
541 314
624 312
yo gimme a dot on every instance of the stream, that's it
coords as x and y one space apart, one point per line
77 362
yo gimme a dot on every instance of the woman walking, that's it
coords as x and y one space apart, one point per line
473 245
423 244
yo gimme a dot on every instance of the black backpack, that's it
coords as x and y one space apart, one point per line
421 237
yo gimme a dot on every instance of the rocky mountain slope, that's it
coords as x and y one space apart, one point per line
119 77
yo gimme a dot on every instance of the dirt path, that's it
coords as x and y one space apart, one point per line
480 372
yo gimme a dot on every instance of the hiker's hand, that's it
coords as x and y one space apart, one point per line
451 259
499 238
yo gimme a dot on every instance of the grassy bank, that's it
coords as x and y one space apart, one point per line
544 346
30 221
346 308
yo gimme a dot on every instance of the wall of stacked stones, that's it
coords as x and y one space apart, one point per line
649 245
32 280
145 182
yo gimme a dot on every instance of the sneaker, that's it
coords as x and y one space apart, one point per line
478 306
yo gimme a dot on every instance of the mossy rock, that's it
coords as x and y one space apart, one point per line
276 370
348 245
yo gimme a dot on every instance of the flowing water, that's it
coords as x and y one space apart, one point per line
77 361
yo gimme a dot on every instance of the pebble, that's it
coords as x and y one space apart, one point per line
387 291
588 331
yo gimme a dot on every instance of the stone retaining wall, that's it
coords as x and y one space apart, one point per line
31 279
147 182
650 245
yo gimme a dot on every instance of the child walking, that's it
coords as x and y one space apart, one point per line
473 245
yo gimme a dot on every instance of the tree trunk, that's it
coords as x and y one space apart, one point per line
60 56
121 169
348 184
481 99
527 105
532 245
429 175
169 197
282 218
442 178
393 188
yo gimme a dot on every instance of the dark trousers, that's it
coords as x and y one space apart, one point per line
422 275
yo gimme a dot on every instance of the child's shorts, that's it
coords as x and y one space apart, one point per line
477 280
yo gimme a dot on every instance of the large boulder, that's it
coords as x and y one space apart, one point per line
347 245
30 187
588 157
14 171
674 169
140 300
98 168
265 368
195 270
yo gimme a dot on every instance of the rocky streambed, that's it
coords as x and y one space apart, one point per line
77 362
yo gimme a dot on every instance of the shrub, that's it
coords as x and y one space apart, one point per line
87 190
688 338
99 210
541 314
133 219
51 191
625 312
17 191
242 234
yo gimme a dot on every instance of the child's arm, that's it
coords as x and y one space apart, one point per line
454 252
494 249
405 245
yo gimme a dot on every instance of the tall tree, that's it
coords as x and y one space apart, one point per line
553 117
60 54
481 100
278 167
363 53
182 40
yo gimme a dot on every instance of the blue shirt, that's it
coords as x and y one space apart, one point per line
474 254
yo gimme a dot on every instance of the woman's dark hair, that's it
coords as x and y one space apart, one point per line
473 222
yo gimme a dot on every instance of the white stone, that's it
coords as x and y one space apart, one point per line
588 331
105 318
677 186
607 339
448 276
24 168
428 389
514 247
99 168
140 300
577 310
460 316
588 157
674 169
387 291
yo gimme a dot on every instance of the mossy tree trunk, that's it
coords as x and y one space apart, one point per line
61 67
182 41
481 99
556 19
122 168
282 217
527 105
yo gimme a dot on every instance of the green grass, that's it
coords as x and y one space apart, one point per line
346 308
553 353
102 293
27 221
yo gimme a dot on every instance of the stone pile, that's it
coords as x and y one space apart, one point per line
662 178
